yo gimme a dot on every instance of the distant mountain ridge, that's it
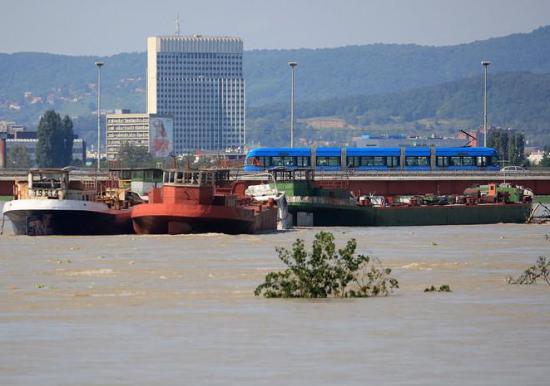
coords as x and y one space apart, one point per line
67 83
520 100
383 68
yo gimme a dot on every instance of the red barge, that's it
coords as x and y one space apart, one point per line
202 201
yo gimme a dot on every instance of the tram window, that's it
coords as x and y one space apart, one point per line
480 161
392 162
484 161
373 161
333 161
367 161
353 162
456 161
379 161
302 161
423 161
277 161
442 161
468 161
411 161
288 161
417 161
328 161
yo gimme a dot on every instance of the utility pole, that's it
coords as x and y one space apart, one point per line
99 65
292 68
485 64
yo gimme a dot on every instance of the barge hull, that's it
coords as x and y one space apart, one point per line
68 222
181 219
182 225
414 216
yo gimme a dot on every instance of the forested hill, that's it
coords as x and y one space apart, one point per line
517 100
383 68
31 83
321 73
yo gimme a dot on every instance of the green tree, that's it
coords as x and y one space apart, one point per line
131 156
509 144
545 162
18 157
68 139
55 140
516 149
326 271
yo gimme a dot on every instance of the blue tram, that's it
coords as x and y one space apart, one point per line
373 158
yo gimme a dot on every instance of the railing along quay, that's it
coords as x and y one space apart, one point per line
544 174
411 175
10 174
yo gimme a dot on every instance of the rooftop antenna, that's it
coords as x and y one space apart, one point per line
178 32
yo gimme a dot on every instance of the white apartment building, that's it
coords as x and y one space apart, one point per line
126 128
138 129
198 80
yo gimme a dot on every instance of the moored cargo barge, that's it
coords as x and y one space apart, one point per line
311 205
49 203
202 201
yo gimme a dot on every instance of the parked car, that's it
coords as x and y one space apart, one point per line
513 169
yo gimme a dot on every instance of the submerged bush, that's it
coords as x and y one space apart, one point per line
325 271
442 288
541 270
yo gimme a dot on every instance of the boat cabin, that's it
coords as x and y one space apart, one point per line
196 177
53 184
194 186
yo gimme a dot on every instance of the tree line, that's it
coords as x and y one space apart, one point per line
510 146
54 148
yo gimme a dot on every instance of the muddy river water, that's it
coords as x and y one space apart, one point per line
129 310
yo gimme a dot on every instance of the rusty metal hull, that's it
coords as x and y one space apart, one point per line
196 218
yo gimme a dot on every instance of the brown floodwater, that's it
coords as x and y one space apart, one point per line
143 310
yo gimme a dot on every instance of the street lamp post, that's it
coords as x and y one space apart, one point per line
485 64
293 68
99 65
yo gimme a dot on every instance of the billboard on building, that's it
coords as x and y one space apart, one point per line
161 136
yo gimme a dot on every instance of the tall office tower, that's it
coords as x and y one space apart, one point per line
198 80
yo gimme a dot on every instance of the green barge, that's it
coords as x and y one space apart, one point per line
311 205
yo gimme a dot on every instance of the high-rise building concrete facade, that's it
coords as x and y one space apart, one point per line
198 80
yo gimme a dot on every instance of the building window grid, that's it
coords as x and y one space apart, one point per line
192 109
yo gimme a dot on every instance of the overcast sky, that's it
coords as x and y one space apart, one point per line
105 27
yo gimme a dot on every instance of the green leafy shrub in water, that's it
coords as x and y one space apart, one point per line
325 271
541 270
442 288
